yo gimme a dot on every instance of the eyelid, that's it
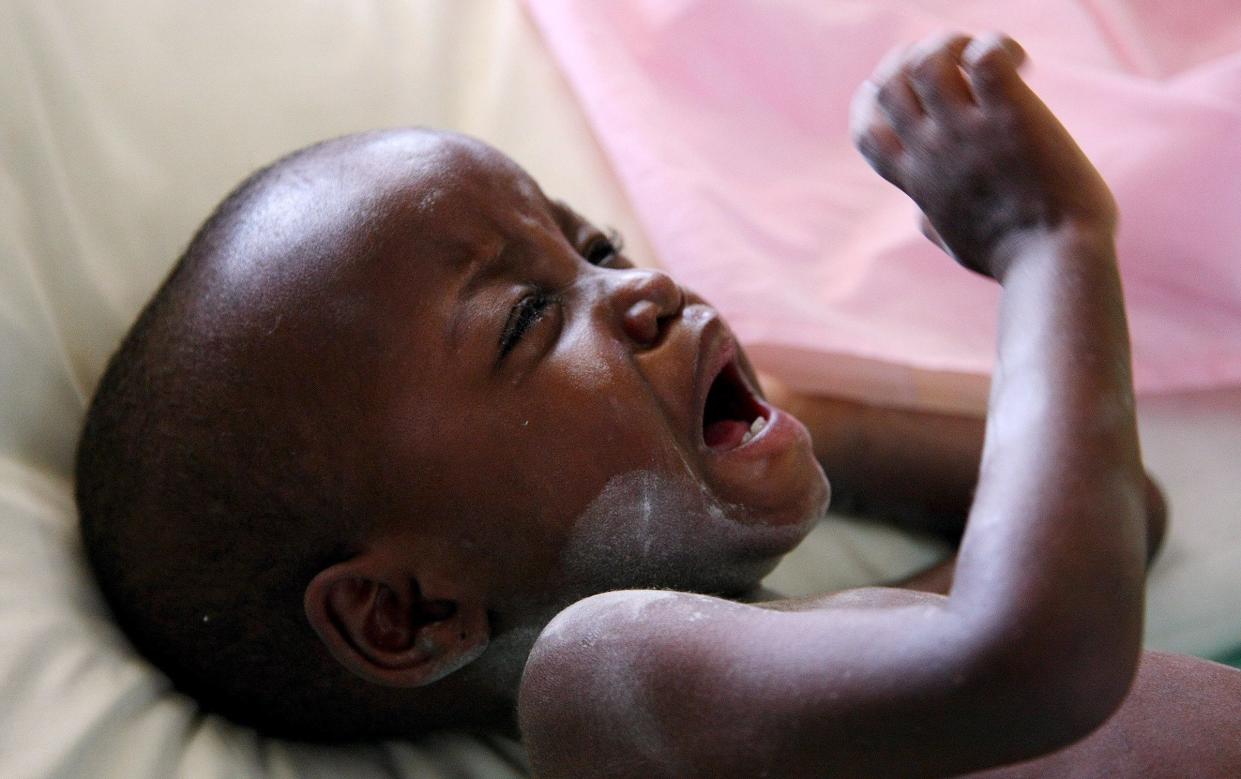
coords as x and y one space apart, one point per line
611 241
528 311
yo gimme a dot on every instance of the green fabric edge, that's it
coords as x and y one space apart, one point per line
1232 658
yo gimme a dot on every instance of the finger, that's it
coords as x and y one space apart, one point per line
935 74
1015 51
891 63
991 62
932 234
878 143
893 93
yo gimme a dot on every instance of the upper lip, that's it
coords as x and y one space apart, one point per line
716 350
712 349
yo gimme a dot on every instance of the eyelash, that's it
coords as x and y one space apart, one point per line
528 311
605 249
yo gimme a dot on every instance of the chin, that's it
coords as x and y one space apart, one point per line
695 539
803 496
761 538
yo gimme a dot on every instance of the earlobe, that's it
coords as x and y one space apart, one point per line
377 622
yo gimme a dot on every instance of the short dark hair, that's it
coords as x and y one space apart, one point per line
204 522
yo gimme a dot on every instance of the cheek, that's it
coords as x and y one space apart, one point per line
586 357
595 411
556 456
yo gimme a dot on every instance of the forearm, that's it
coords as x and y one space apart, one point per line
938 577
1053 554
914 469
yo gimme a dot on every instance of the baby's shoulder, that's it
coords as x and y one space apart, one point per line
623 621
596 684
652 682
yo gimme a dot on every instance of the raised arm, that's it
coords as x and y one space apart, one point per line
1038 640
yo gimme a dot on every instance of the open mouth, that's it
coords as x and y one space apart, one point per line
733 415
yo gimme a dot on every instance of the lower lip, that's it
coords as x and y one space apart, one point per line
778 434
768 474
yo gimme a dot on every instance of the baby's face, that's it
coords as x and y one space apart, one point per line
552 418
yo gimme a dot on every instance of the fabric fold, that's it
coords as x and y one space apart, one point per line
726 121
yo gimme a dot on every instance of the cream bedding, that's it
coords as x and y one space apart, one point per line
122 124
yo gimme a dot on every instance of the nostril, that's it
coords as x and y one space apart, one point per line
669 294
642 322
645 301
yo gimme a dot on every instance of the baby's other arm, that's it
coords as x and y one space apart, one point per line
1038 641
911 468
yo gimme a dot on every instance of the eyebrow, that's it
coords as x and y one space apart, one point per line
485 270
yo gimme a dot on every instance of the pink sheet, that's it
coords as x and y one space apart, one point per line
726 121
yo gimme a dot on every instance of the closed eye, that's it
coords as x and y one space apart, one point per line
528 311
604 250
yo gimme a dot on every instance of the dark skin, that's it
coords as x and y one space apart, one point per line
1034 653
522 415
523 439
913 469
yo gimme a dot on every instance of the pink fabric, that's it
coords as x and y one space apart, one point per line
726 121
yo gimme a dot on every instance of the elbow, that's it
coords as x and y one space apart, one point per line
1083 702
1156 518
1045 695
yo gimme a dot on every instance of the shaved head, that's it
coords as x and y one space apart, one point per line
223 461
392 411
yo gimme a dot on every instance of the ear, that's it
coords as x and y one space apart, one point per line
377 622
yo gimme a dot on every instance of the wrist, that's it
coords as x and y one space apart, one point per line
1084 242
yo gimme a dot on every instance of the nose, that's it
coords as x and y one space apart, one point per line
645 300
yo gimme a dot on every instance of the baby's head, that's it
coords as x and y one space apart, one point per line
393 410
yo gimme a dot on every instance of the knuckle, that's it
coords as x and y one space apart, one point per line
926 66
877 144
986 56
954 43
858 134
949 139
866 145
866 136
888 66
944 44
891 95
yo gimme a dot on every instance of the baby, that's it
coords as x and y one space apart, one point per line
402 444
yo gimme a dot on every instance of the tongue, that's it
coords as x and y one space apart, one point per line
724 433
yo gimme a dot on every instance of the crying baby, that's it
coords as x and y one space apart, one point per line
395 410
390 413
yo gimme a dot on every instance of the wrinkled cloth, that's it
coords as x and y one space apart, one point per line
727 122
